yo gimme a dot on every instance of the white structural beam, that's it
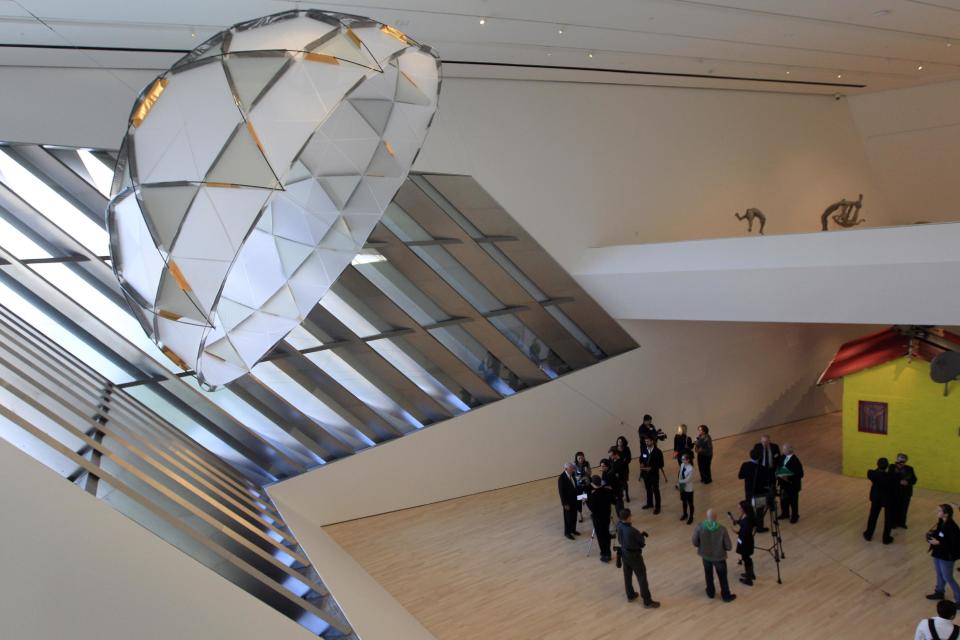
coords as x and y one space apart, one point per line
896 275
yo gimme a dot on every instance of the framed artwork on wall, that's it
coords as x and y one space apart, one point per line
873 417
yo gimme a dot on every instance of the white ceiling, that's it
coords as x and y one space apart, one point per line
877 43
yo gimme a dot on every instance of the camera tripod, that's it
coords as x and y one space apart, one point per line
776 547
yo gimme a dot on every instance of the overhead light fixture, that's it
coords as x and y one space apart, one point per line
483 21
949 44
229 223
193 33
839 75
590 54
919 67
367 258
560 31
788 71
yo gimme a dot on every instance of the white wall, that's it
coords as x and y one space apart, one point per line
732 376
75 568
578 165
590 165
912 141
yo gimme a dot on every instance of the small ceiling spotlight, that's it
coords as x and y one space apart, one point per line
788 71
590 54
839 75
559 31
919 67
483 21
949 44
193 33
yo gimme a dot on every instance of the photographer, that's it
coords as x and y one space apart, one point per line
646 428
651 463
630 556
944 539
600 501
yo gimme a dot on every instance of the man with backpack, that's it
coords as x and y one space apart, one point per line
940 627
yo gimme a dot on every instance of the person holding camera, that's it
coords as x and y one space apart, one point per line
600 501
646 428
944 540
712 542
745 545
630 558
651 465
704 449
685 486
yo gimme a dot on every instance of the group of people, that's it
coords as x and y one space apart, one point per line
891 487
607 493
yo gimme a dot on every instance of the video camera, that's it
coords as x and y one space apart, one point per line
650 431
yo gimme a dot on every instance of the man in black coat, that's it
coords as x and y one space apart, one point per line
746 525
608 478
767 455
905 479
651 462
600 501
881 495
620 470
749 473
631 555
567 487
791 482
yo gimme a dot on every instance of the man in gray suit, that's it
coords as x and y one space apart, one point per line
631 555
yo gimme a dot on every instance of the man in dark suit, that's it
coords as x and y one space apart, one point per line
882 487
651 462
600 502
567 487
767 455
631 554
790 477
905 479
609 479
749 473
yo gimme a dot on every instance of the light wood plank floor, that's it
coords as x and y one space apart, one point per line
495 565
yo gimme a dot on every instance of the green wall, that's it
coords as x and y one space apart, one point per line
921 422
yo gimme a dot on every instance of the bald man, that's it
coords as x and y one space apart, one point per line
712 542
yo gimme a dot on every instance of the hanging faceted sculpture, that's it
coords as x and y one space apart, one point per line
252 173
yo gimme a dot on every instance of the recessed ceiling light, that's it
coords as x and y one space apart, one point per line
549 53
919 67
590 55
788 71
193 33
839 75
560 31
483 21
949 44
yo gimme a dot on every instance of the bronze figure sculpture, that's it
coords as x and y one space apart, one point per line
848 215
750 215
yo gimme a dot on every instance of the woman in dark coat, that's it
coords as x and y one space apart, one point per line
626 456
704 449
746 525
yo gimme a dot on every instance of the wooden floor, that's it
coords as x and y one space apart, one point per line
496 565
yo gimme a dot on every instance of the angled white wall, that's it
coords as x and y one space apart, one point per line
75 568
733 376
897 275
